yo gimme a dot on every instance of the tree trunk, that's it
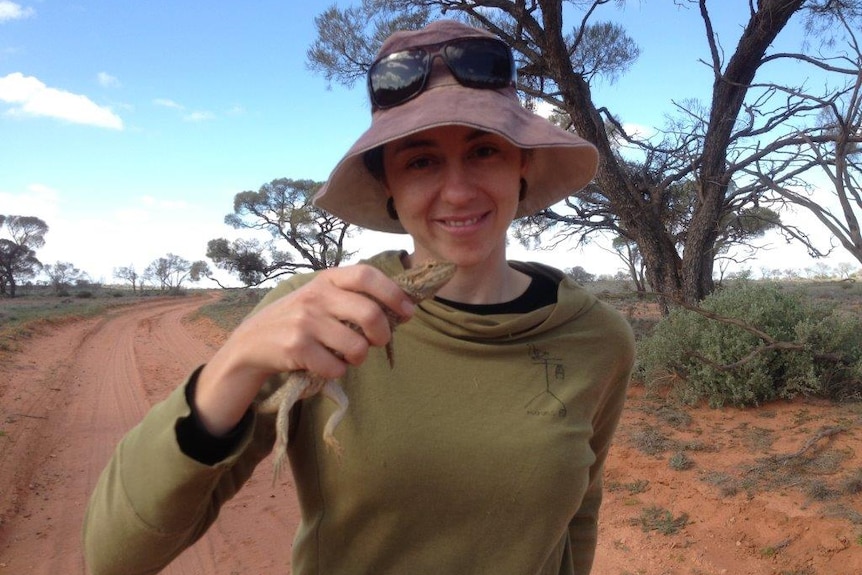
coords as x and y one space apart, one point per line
688 277
729 91
638 217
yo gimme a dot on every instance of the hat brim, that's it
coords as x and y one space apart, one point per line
561 163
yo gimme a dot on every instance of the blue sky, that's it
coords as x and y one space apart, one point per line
130 126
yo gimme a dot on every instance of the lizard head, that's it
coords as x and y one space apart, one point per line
422 281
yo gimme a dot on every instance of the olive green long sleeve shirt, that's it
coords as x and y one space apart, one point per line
480 452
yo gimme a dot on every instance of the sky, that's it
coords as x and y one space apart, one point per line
129 127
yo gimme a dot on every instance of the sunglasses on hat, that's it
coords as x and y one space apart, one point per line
485 63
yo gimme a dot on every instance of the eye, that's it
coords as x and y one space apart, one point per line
419 162
485 150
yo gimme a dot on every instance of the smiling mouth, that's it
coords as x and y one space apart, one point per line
463 223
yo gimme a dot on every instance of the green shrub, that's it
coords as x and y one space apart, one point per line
693 352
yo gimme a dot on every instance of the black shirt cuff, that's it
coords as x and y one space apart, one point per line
198 443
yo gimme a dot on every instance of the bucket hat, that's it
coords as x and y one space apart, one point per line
561 163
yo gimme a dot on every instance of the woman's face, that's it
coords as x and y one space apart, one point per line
456 192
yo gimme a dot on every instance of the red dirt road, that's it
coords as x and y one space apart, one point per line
74 391
68 400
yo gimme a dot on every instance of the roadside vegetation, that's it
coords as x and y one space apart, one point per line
40 307
229 310
754 342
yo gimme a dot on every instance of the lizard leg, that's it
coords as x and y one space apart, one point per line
334 392
272 403
293 389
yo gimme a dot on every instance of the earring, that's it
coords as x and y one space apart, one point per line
522 193
390 208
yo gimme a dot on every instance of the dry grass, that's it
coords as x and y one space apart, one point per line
654 518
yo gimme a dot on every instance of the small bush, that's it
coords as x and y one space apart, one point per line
650 440
819 490
633 488
679 461
852 484
694 352
655 518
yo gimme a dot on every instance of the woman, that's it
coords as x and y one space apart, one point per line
481 451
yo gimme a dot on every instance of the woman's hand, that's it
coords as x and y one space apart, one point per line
306 329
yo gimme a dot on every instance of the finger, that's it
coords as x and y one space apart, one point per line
348 342
318 341
378 286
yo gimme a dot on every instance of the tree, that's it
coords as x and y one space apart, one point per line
283 209
710 148
737 229
242 257
830 146
62 275
171 271
199 270
17 251
628 252
129 274
580 275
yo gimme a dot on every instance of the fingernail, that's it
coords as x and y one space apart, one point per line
407 309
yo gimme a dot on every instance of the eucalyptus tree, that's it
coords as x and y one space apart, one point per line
713 147
129 274
62 275
831 148
18 261
170 271
300 236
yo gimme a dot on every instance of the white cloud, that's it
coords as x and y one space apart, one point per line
107 81
13 11
151 202
31 97
117 230
199 116
37 200
639 130
193 116
167 103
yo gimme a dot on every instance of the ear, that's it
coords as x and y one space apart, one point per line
526 160
390 209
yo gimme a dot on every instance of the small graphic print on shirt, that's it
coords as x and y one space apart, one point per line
545 403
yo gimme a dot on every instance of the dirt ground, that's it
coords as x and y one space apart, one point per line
689 492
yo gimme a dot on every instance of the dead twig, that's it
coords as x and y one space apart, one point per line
774 461
824 433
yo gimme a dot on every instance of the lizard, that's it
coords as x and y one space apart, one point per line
419 283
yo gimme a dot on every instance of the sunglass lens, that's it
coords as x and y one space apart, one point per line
398 77
479 63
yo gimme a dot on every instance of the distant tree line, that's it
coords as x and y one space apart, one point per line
21 236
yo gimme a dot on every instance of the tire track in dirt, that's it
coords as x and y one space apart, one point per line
68 400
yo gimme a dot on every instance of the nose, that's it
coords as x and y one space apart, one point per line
458 188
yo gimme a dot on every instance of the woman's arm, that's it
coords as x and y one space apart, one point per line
153 500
